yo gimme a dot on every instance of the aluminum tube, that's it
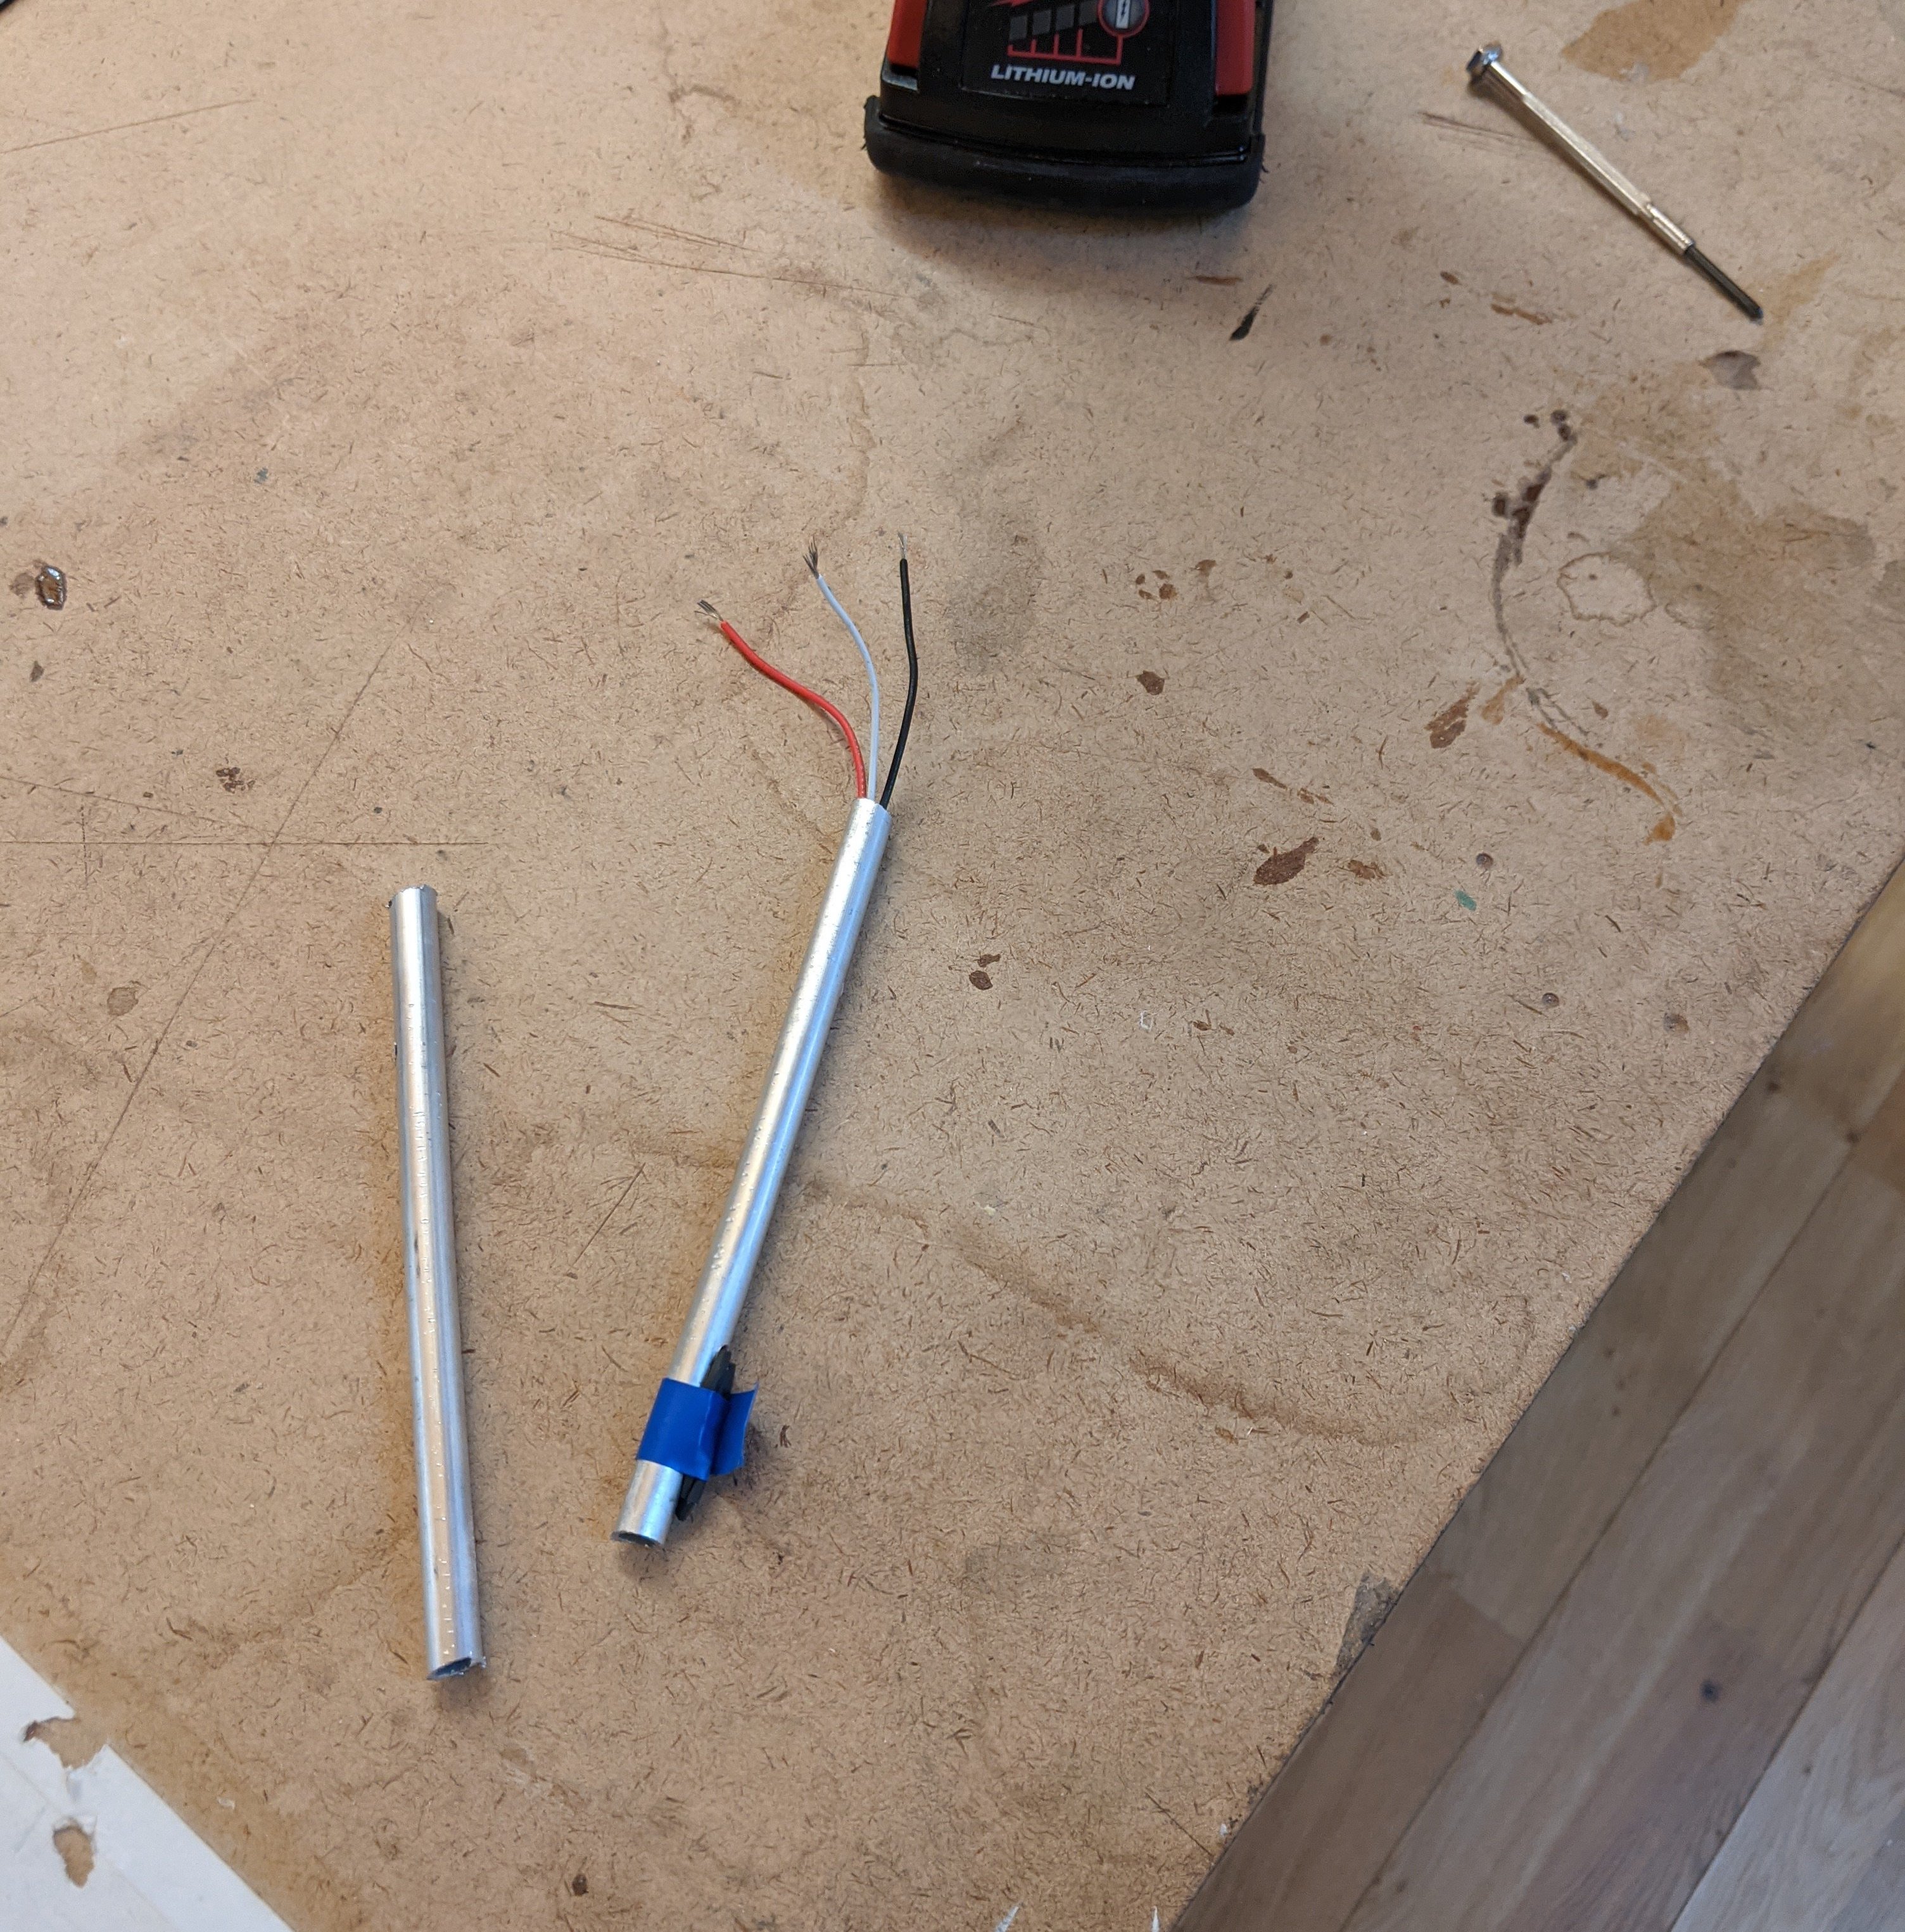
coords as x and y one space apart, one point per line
653 1490
453 1636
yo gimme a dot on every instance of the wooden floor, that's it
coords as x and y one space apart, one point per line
1652 1677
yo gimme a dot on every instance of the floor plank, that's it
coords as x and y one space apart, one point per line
1818 1848
1605 1774
1427 1675
1317 1839
1535 1514
1875 1907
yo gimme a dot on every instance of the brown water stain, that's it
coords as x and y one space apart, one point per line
1788 598
1784 596
1665 36
1491 706
1664 827
1079 1309
1792 291
1282 867
1449 723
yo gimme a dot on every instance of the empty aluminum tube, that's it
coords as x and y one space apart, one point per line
453 1635
654 1490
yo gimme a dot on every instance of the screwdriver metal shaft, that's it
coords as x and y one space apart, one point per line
1485 71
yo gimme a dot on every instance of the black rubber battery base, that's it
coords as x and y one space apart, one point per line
1062 180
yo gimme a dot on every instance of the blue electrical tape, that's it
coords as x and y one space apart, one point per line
700 1432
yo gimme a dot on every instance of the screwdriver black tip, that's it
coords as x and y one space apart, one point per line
1727 287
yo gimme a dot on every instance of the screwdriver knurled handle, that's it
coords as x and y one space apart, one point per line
1486 69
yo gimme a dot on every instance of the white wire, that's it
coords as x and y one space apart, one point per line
872 680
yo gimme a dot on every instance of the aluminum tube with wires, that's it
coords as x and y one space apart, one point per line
656 1490
452 1636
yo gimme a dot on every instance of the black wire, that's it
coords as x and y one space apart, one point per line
913 680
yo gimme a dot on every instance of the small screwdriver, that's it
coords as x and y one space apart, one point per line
1485 69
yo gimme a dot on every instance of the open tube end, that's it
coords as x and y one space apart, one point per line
457 1667
649 1507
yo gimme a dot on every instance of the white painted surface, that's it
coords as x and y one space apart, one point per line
150 1872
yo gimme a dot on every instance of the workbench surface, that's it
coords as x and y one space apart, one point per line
1385 774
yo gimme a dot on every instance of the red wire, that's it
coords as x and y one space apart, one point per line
800 692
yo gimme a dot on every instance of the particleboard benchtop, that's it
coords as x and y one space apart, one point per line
389 385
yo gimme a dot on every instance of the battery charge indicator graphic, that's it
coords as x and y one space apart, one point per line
1119 19
1118 51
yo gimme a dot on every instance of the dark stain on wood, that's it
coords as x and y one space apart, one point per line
1663 826
1243 327
1735 369
1449 723
1375 1598
1282 867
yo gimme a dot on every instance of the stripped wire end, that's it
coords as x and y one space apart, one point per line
822 705
913 675
866 657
